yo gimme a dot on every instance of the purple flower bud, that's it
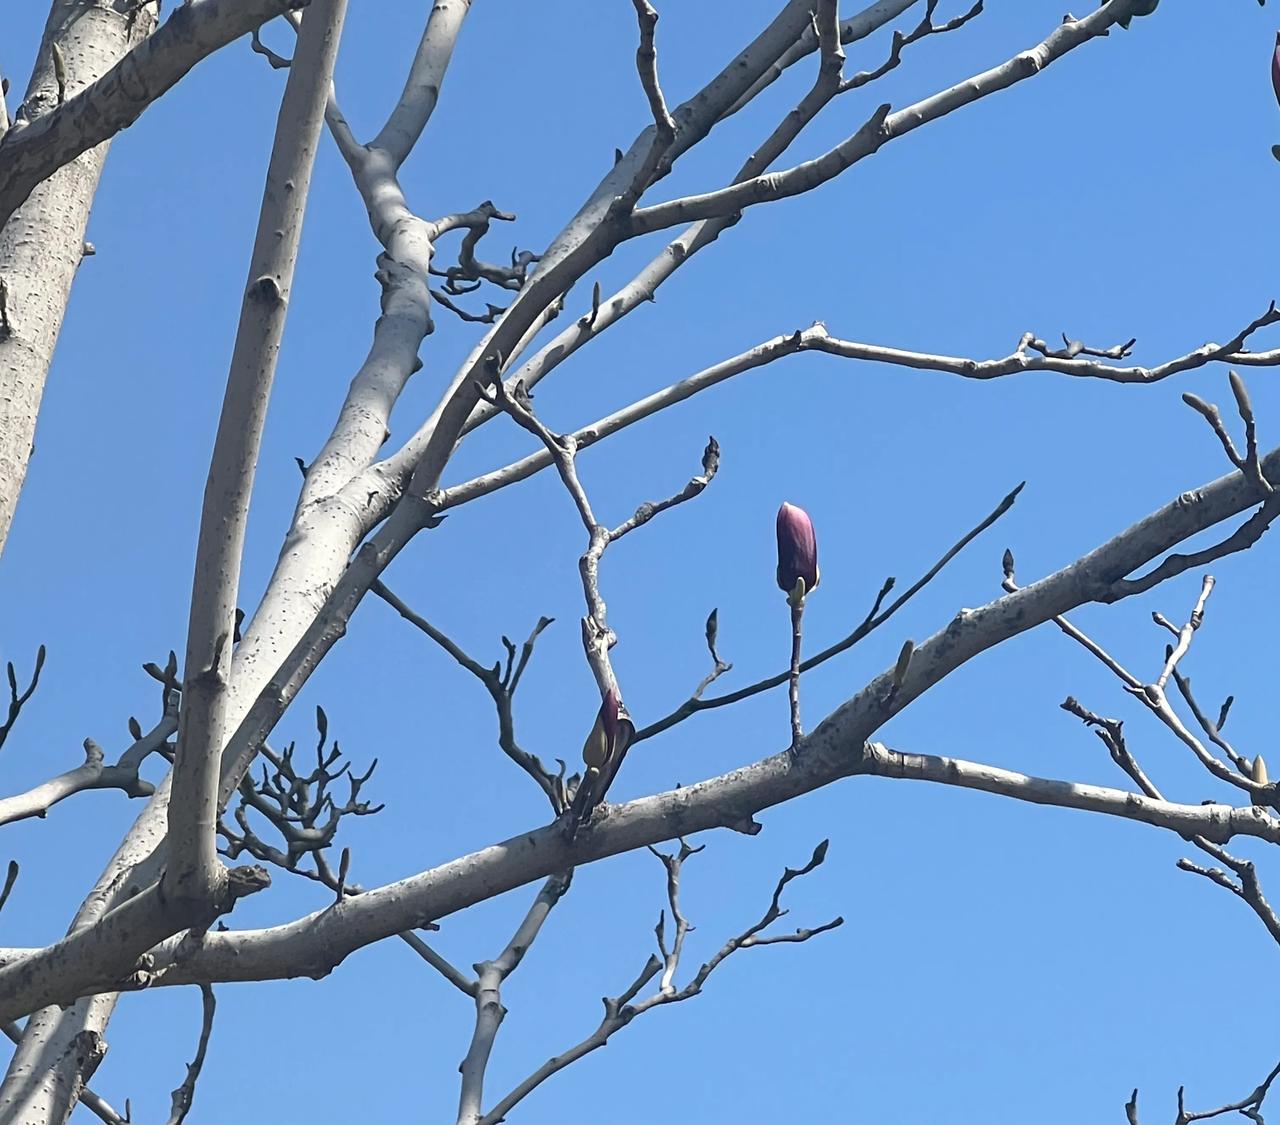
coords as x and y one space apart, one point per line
609 717
1275 68
602 742
797 549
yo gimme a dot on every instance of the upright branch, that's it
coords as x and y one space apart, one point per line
18 699
488 996
42 242
102 1109
613 722
185 1094
664 125
422 86
718 667
10 878
1246 462
193 869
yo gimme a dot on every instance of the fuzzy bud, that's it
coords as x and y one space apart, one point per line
797 552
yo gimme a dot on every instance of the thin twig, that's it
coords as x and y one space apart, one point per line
501 689
718 666
17 700
185 1093
873 620
620 1010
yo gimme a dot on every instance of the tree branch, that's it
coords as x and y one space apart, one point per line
186 1092
422 87
621 1010
193 868
489 1010
94 1103
194 30
18 699
881 127
1032 354
833 750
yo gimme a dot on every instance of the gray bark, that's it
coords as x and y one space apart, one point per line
42 244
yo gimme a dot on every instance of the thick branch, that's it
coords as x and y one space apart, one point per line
94 1103
193 867
194 30
422 87
882 127
836 749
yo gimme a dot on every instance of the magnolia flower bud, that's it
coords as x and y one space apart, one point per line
1275 68
603 741
797 553
1259 772
904 662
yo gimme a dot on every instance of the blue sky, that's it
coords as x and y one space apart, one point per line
1000 962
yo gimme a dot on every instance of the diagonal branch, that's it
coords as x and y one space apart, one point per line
489 1009
501 689
883 126
422 87
93 774
33 152
837 748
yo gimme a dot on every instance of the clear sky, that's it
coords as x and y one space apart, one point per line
1000 962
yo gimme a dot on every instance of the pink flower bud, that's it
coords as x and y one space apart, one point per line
1275 68
602 742
797 550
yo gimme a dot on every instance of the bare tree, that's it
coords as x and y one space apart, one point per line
158 915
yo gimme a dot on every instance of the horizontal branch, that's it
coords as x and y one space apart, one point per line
1033 354
95 773
836 749
588 435
316 944
32 153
